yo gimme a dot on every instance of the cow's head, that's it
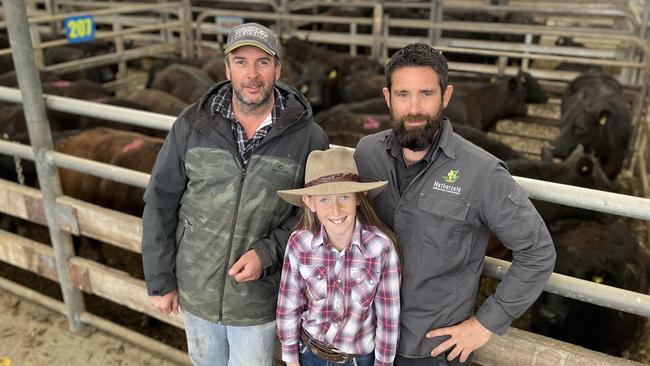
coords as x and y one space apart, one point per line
318 82
534 92
584 122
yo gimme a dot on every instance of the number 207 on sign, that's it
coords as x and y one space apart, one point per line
80 29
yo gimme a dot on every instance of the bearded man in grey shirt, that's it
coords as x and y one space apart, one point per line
444 197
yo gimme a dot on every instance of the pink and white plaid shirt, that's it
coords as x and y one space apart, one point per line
349 299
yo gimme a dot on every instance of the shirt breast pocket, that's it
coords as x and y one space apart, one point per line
443 222
363 282
316 281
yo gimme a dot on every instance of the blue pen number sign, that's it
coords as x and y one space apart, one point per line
80 28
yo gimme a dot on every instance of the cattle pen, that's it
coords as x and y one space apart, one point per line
190 30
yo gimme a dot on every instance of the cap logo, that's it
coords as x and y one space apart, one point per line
250 31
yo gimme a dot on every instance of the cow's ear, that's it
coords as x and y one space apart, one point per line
512 83
603 118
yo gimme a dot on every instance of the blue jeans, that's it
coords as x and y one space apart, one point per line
307 358
213 344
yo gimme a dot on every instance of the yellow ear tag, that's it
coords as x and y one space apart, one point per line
304 89
5 361
333 74
598 279
603 120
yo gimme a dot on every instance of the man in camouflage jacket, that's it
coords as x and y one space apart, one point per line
214 229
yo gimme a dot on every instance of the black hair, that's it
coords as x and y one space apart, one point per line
418 54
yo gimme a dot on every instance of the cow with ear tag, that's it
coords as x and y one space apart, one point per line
579 169
595 114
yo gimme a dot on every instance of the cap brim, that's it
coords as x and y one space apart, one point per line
259 45
294 196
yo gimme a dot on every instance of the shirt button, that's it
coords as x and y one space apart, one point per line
339 281
319 277
371 282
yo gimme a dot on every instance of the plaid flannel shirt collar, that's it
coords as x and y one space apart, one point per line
321 237
222 104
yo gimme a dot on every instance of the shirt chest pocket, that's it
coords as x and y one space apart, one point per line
442 223
315 278
363 283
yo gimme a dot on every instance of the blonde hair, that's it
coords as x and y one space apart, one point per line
365 212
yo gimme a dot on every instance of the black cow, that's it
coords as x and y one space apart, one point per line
481 106
487 143
579 169
534 91
606 254
596 115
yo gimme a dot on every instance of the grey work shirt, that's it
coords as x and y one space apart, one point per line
443 221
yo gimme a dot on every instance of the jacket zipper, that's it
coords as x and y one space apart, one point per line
232 238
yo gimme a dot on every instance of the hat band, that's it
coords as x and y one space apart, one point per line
341 177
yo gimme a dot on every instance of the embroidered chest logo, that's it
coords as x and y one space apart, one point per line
452 176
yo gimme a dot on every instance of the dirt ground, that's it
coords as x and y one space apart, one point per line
31 335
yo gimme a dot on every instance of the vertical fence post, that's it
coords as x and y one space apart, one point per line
41 140
165 34
36 42
435 16
119 47
353 34
377 30
187 30
53 9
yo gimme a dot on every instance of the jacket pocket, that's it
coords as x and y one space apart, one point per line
316 281
180 231
363 283
442 223
525 208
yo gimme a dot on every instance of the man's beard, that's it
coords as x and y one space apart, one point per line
251 105
416 138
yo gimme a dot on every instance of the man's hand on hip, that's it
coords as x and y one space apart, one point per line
464 338
166 303
247 268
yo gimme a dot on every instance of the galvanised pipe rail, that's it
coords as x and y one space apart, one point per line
590 199
586 291
120 10
95 168
97 110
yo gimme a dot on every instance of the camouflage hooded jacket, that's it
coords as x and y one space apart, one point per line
204 210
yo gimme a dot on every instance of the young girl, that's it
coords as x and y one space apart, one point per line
339 292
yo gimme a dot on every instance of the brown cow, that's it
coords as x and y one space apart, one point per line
121 148
158 101
185 82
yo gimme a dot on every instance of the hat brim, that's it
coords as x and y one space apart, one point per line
294 196
257 44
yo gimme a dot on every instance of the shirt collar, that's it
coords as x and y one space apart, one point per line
321 237
222 103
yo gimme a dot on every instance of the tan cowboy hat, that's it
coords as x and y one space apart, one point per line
331 171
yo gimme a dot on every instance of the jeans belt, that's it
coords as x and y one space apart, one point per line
324 351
